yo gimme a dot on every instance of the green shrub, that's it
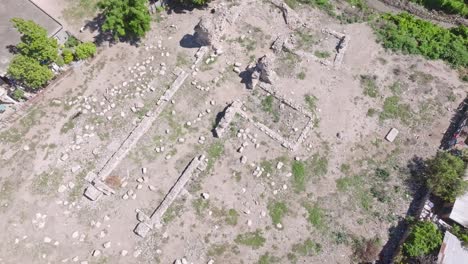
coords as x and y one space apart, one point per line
423 239
85 50
67 56
252 239
71 42
17 94
403 32
444 177
448 6
277 210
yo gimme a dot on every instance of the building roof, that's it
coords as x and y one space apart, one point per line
9 36
459 212
452 251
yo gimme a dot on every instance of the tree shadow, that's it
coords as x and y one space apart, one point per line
189 41
180 8
106 36
460 114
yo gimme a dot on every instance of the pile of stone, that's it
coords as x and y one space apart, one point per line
263 71
229 115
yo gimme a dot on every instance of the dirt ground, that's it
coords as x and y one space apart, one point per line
345 182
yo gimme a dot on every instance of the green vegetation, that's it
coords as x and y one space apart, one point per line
277 210
423 239
403 32
200 205
254 240
311 101
17 94
67 56
369 85
355 185
321 4
444 177
366 250
267 106
35 43
316 216
318 165
35 51
393 109
214 152
299 175
301 75
232 217
47 183
85 50
125 18
267 259
217 250
461 233
71 42
322 54
307 248
29 71
459 7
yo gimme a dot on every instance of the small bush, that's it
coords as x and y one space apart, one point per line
322 54
85 50
71 42
254 240
307 248
232 217
369 85
277 210
299 175
67 56
366 250
316 216
423 239
17 94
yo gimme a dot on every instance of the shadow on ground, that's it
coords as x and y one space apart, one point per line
416 167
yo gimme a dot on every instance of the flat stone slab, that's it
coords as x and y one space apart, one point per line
92 193
392 134
142 229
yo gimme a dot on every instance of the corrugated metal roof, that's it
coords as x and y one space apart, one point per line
459 212
451 251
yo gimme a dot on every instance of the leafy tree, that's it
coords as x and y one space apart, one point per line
423 239
125 18
445 176
85 50
29 71
34 41
67 56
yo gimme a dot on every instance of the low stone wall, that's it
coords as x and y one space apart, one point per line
148 223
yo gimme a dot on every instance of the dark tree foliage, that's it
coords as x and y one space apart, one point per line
444 177
125 18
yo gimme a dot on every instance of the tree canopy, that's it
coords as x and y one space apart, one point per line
34 41
85 50
125 18
445 176
29 71
423 239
